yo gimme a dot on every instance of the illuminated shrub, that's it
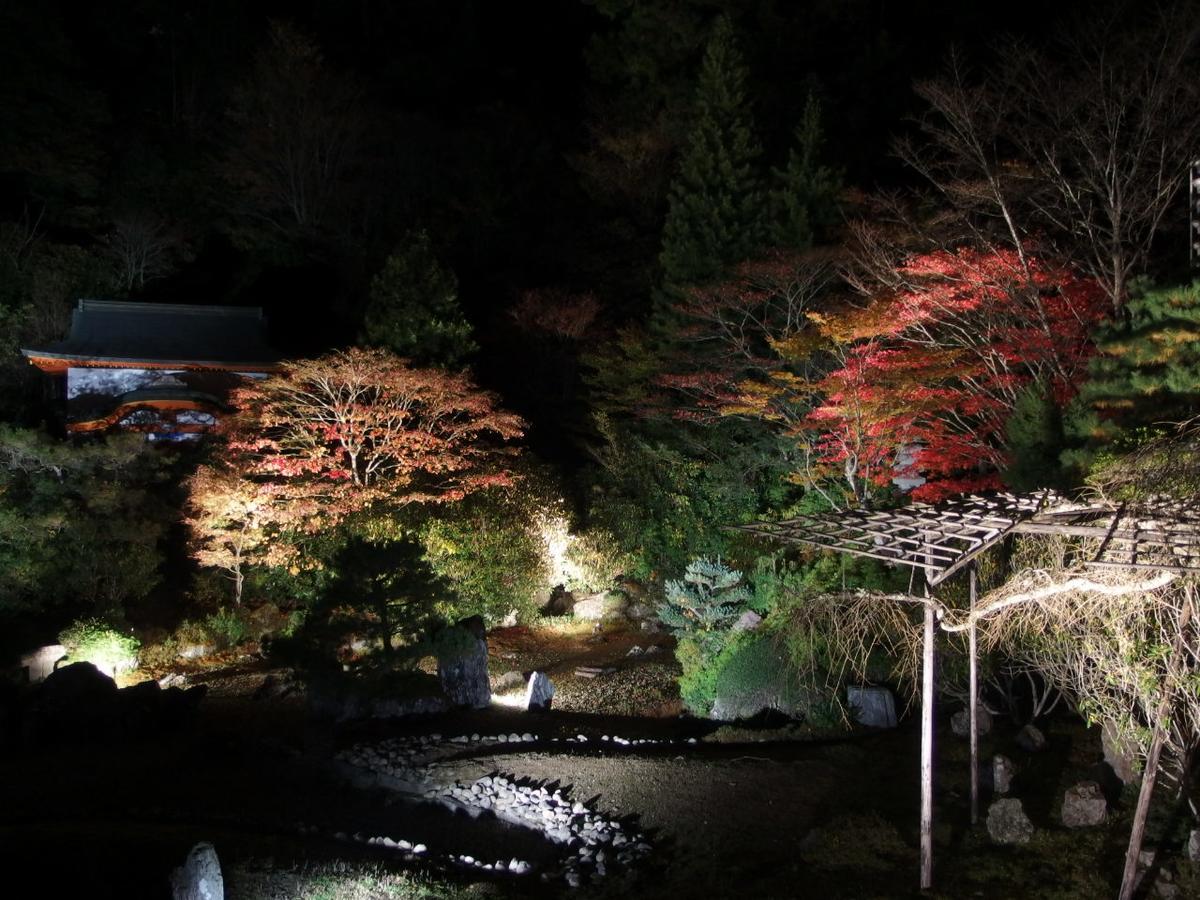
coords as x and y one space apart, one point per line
90 640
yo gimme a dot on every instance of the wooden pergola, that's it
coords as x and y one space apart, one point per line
941 541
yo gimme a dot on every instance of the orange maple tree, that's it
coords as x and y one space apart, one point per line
330 437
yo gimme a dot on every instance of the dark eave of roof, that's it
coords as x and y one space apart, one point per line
121 332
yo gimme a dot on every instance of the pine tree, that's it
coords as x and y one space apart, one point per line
1146 373
714 218
413 308
803 199
706 603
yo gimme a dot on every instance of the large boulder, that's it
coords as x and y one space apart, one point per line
600 607
462 664
874 707
1007 822
960 722
560 603
1030 739
77 699
1084 806
199 878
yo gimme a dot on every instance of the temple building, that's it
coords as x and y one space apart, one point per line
164 369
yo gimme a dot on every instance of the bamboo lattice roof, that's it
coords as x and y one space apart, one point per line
942 539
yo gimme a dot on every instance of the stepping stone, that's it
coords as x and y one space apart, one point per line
593 671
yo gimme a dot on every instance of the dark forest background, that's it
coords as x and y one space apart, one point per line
533 142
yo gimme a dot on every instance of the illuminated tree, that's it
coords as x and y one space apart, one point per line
360 429
1085 141
937 363
229 518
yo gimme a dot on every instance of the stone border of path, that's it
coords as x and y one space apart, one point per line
595 843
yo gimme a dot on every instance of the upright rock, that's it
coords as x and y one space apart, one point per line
463 665
1084 806
540 693
199 878
1007 822
1003 771
872 706
1120 755
1193 845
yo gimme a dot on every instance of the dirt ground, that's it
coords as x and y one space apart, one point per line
813 818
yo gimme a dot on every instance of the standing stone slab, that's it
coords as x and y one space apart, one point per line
540 692
463 670
1007 822
873 706
1084 805
1003 771
199 878
39 663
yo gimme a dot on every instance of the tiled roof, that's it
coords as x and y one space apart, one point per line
116 330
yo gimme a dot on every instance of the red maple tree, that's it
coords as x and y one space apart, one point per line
936 365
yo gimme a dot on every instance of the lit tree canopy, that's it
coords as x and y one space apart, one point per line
331 436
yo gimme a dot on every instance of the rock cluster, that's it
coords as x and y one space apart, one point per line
593 843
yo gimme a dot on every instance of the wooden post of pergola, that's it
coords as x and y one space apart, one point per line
927 704
973 711
1137 832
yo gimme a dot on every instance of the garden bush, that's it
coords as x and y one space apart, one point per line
90 640
227 627
754 672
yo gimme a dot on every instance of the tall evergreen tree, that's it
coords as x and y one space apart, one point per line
714 218
1146 373
413 308
803 197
